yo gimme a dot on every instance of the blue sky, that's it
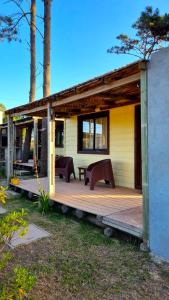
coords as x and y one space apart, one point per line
82 31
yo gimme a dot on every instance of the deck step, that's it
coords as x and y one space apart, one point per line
128 228
22 172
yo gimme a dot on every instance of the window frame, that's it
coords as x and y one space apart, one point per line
93 116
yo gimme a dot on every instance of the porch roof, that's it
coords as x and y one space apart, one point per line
117 88
20 123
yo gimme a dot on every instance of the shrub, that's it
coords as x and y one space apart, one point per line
12 223
18 282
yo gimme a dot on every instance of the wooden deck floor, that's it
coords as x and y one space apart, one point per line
120 207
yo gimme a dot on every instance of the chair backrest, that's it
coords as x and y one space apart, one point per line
62 162
103 162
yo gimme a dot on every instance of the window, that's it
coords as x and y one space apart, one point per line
59 136
93 133
4 141
4 137
18 138
4 131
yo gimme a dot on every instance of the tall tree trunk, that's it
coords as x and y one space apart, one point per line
46 53
33 52
27 143
46 82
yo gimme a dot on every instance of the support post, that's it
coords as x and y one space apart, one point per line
14 143
10 151
35 148
51 150
144 151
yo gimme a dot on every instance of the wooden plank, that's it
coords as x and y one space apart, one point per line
101 193
123 227
25 164
131 216
30 111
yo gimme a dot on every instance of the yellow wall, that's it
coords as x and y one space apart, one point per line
121 145
60 151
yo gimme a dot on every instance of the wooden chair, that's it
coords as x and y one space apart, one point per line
65 167
100 170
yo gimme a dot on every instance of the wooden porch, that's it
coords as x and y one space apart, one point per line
120 208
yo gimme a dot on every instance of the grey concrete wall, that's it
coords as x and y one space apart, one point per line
158 152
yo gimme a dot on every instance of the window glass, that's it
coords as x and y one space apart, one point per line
59 136
88 133
4 137
101 133
4 141
4 131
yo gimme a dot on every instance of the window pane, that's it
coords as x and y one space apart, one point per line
88 134
4 141
4 131
101 133
59 134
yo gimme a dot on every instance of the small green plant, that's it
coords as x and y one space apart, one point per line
43 202
5 258
3 194
21 283
12 223
18 282
43 199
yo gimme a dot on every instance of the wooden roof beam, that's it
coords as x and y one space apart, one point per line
119 104
100 89
40 107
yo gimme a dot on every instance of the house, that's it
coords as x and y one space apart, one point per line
21 126
122 115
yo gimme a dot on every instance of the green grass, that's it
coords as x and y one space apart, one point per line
79 262
165 273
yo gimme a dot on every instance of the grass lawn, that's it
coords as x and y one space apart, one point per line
79 262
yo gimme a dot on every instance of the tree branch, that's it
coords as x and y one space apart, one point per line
25 15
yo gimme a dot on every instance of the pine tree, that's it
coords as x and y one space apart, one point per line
152 33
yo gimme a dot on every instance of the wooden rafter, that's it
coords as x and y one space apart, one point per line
113 86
